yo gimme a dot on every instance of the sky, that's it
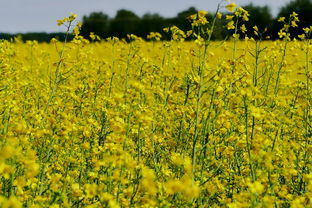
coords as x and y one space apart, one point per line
41 15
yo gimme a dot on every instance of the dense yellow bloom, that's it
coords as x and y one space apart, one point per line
256 187
90 190
76 190
157 123
10 203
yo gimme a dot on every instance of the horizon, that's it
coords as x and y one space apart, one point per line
18 16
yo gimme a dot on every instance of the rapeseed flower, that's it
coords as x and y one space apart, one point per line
198 123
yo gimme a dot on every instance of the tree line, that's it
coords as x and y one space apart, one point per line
127 22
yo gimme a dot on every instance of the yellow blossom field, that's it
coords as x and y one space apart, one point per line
157 123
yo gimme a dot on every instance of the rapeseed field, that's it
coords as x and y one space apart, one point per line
115 123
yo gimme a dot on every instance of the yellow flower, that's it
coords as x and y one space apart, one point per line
294 14
11 203
219 15
307 30
60 22
76 190
231 7
202 13
294 24
282 34
113 204
230 25
236 36
7 152
72 17
92 36
245 15
302 36
281 19
243 28
174 186
256 30
90 190
229 17
256 187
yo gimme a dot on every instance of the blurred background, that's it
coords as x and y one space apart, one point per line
36 19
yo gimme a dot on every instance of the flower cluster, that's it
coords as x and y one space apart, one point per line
173 123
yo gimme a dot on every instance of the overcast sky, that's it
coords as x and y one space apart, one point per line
41 15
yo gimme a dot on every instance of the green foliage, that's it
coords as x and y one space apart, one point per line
303 8
260 16
127 22
150 23
96 22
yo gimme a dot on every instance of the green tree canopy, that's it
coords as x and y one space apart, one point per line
96 22
303 8
125 22
150 23
261 17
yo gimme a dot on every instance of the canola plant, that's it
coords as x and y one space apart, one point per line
115 123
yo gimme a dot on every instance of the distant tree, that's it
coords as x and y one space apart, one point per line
303 8
6 36
261 17
220 32
182 21
125 22
150 23
96 22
